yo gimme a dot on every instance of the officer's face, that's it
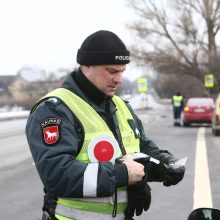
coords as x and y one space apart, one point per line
105 77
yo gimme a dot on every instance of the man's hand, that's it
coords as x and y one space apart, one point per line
173 175
172 171
135 170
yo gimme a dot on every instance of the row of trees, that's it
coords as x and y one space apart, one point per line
23 93
17 91
179 38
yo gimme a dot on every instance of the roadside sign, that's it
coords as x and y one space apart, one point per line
142 84
209 80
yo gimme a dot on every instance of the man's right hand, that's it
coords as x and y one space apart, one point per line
135 170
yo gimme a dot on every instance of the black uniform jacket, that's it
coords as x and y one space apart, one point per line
60 172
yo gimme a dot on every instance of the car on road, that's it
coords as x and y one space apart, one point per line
216 117
198 110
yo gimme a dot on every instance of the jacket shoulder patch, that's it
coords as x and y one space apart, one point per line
51 130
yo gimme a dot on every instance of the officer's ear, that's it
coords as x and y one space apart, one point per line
84 69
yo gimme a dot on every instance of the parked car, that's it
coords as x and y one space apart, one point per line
198 110
216 117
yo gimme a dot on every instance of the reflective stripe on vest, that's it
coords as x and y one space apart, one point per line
177 101
75 214
64 208
94 125
104 205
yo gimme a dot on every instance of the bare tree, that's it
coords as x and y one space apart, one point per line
178 36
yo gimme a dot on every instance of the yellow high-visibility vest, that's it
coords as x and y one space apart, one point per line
177 100
93 126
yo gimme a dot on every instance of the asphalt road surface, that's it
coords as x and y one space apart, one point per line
21 189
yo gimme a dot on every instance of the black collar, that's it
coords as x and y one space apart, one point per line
90 90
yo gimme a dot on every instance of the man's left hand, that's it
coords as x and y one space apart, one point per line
172 170
173 175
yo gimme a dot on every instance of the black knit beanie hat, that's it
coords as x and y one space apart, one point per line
103 47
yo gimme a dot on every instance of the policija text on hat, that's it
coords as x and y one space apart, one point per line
77 132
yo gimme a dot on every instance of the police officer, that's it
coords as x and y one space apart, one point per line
77 132
178 104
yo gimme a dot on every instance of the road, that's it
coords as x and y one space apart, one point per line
21 189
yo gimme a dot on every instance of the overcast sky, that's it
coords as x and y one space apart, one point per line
48 33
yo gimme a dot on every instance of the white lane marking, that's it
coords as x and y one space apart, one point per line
202 188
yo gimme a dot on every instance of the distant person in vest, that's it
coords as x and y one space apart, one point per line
87 142
178 105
